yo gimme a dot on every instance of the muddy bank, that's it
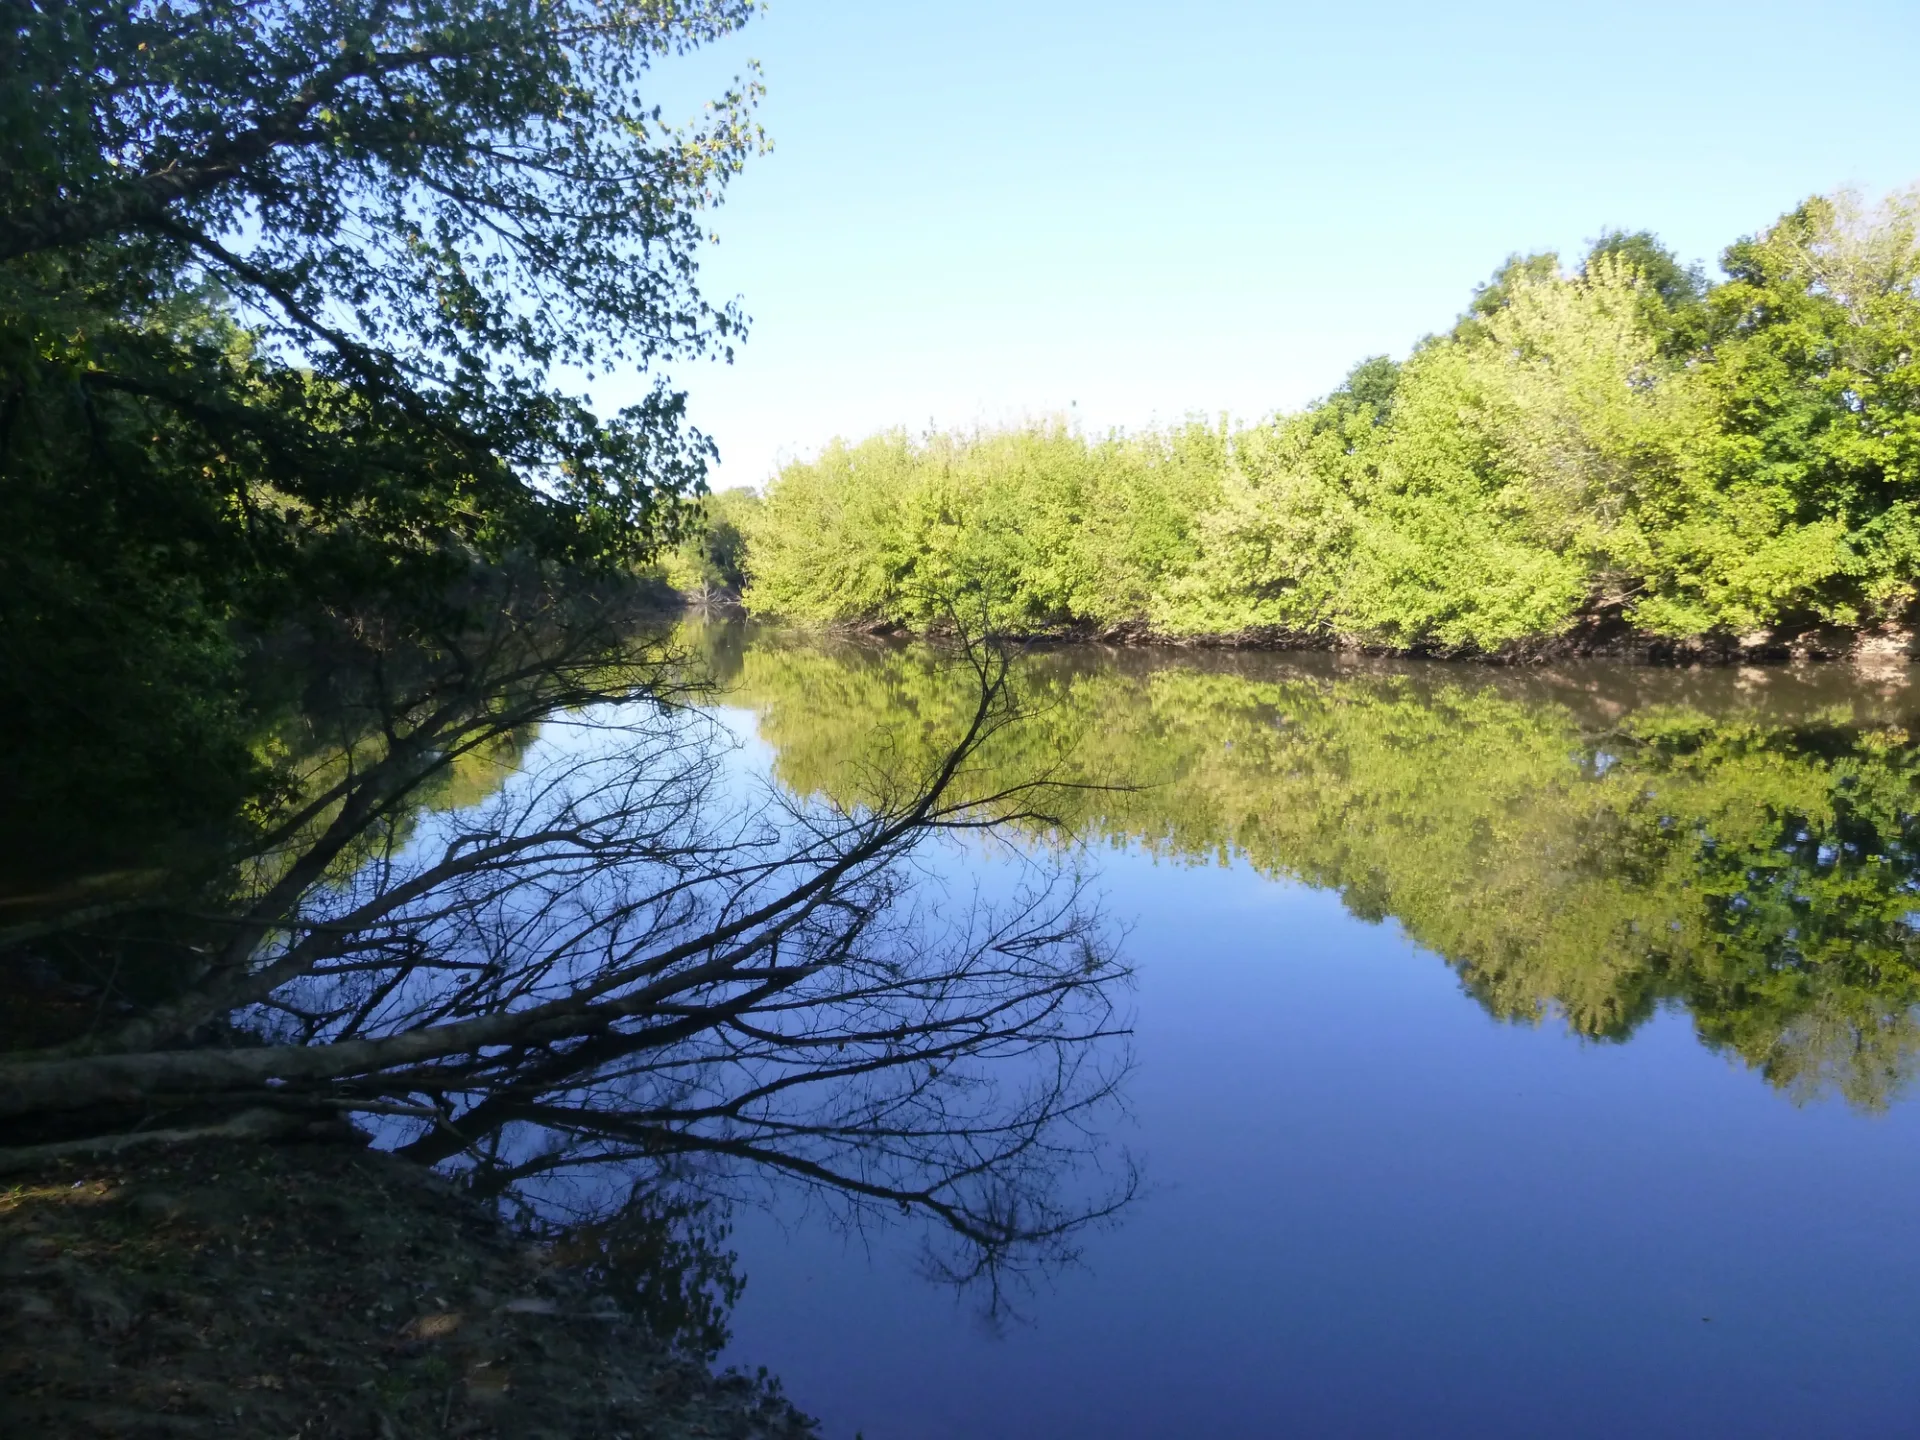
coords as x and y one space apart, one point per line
322 1290
1589 640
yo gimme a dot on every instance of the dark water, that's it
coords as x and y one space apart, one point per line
1518 1054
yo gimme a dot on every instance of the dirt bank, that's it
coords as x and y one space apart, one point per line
320 1290
1599 639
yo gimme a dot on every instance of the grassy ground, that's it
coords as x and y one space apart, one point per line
319 1290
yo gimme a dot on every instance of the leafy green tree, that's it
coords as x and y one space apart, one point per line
1492 297
713 558
289 293
1675 293
1486 496
1805 505
437 207
1369 387
1057 529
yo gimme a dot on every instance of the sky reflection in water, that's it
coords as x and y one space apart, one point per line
1376 1208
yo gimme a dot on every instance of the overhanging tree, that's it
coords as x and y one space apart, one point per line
296 298
622 959
435 207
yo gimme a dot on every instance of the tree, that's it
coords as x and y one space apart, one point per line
1059 527
1806 508
1674 283
712 560
1675 292
1490 298
434 207
286 292
1369 388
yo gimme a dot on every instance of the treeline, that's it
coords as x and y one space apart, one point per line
1620 444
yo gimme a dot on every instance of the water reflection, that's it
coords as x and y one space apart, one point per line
522 906
1374 1212
1589 843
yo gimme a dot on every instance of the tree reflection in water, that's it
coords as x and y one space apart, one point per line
623 958
1592 842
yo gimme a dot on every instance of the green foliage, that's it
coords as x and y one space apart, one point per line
1804 504
287 292
1751 855
712 556
1621 445
1051 526
438 208
1674 295
1492 297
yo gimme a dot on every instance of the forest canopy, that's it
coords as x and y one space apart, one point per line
1618 444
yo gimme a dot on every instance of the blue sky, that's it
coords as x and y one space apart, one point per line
1129 213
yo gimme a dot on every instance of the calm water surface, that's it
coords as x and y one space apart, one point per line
1518 1054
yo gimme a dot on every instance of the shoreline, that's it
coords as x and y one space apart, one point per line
1876 648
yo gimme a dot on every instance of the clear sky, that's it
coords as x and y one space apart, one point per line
1130 212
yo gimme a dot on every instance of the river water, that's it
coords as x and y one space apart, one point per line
1517 1053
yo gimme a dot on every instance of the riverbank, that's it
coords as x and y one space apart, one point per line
321 1290
1600 639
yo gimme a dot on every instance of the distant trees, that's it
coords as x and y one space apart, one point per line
1048 524
1622 442
712 559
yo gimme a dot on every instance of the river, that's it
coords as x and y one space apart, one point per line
1516 1052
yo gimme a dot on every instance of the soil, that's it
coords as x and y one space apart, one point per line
1590 638
321 1290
